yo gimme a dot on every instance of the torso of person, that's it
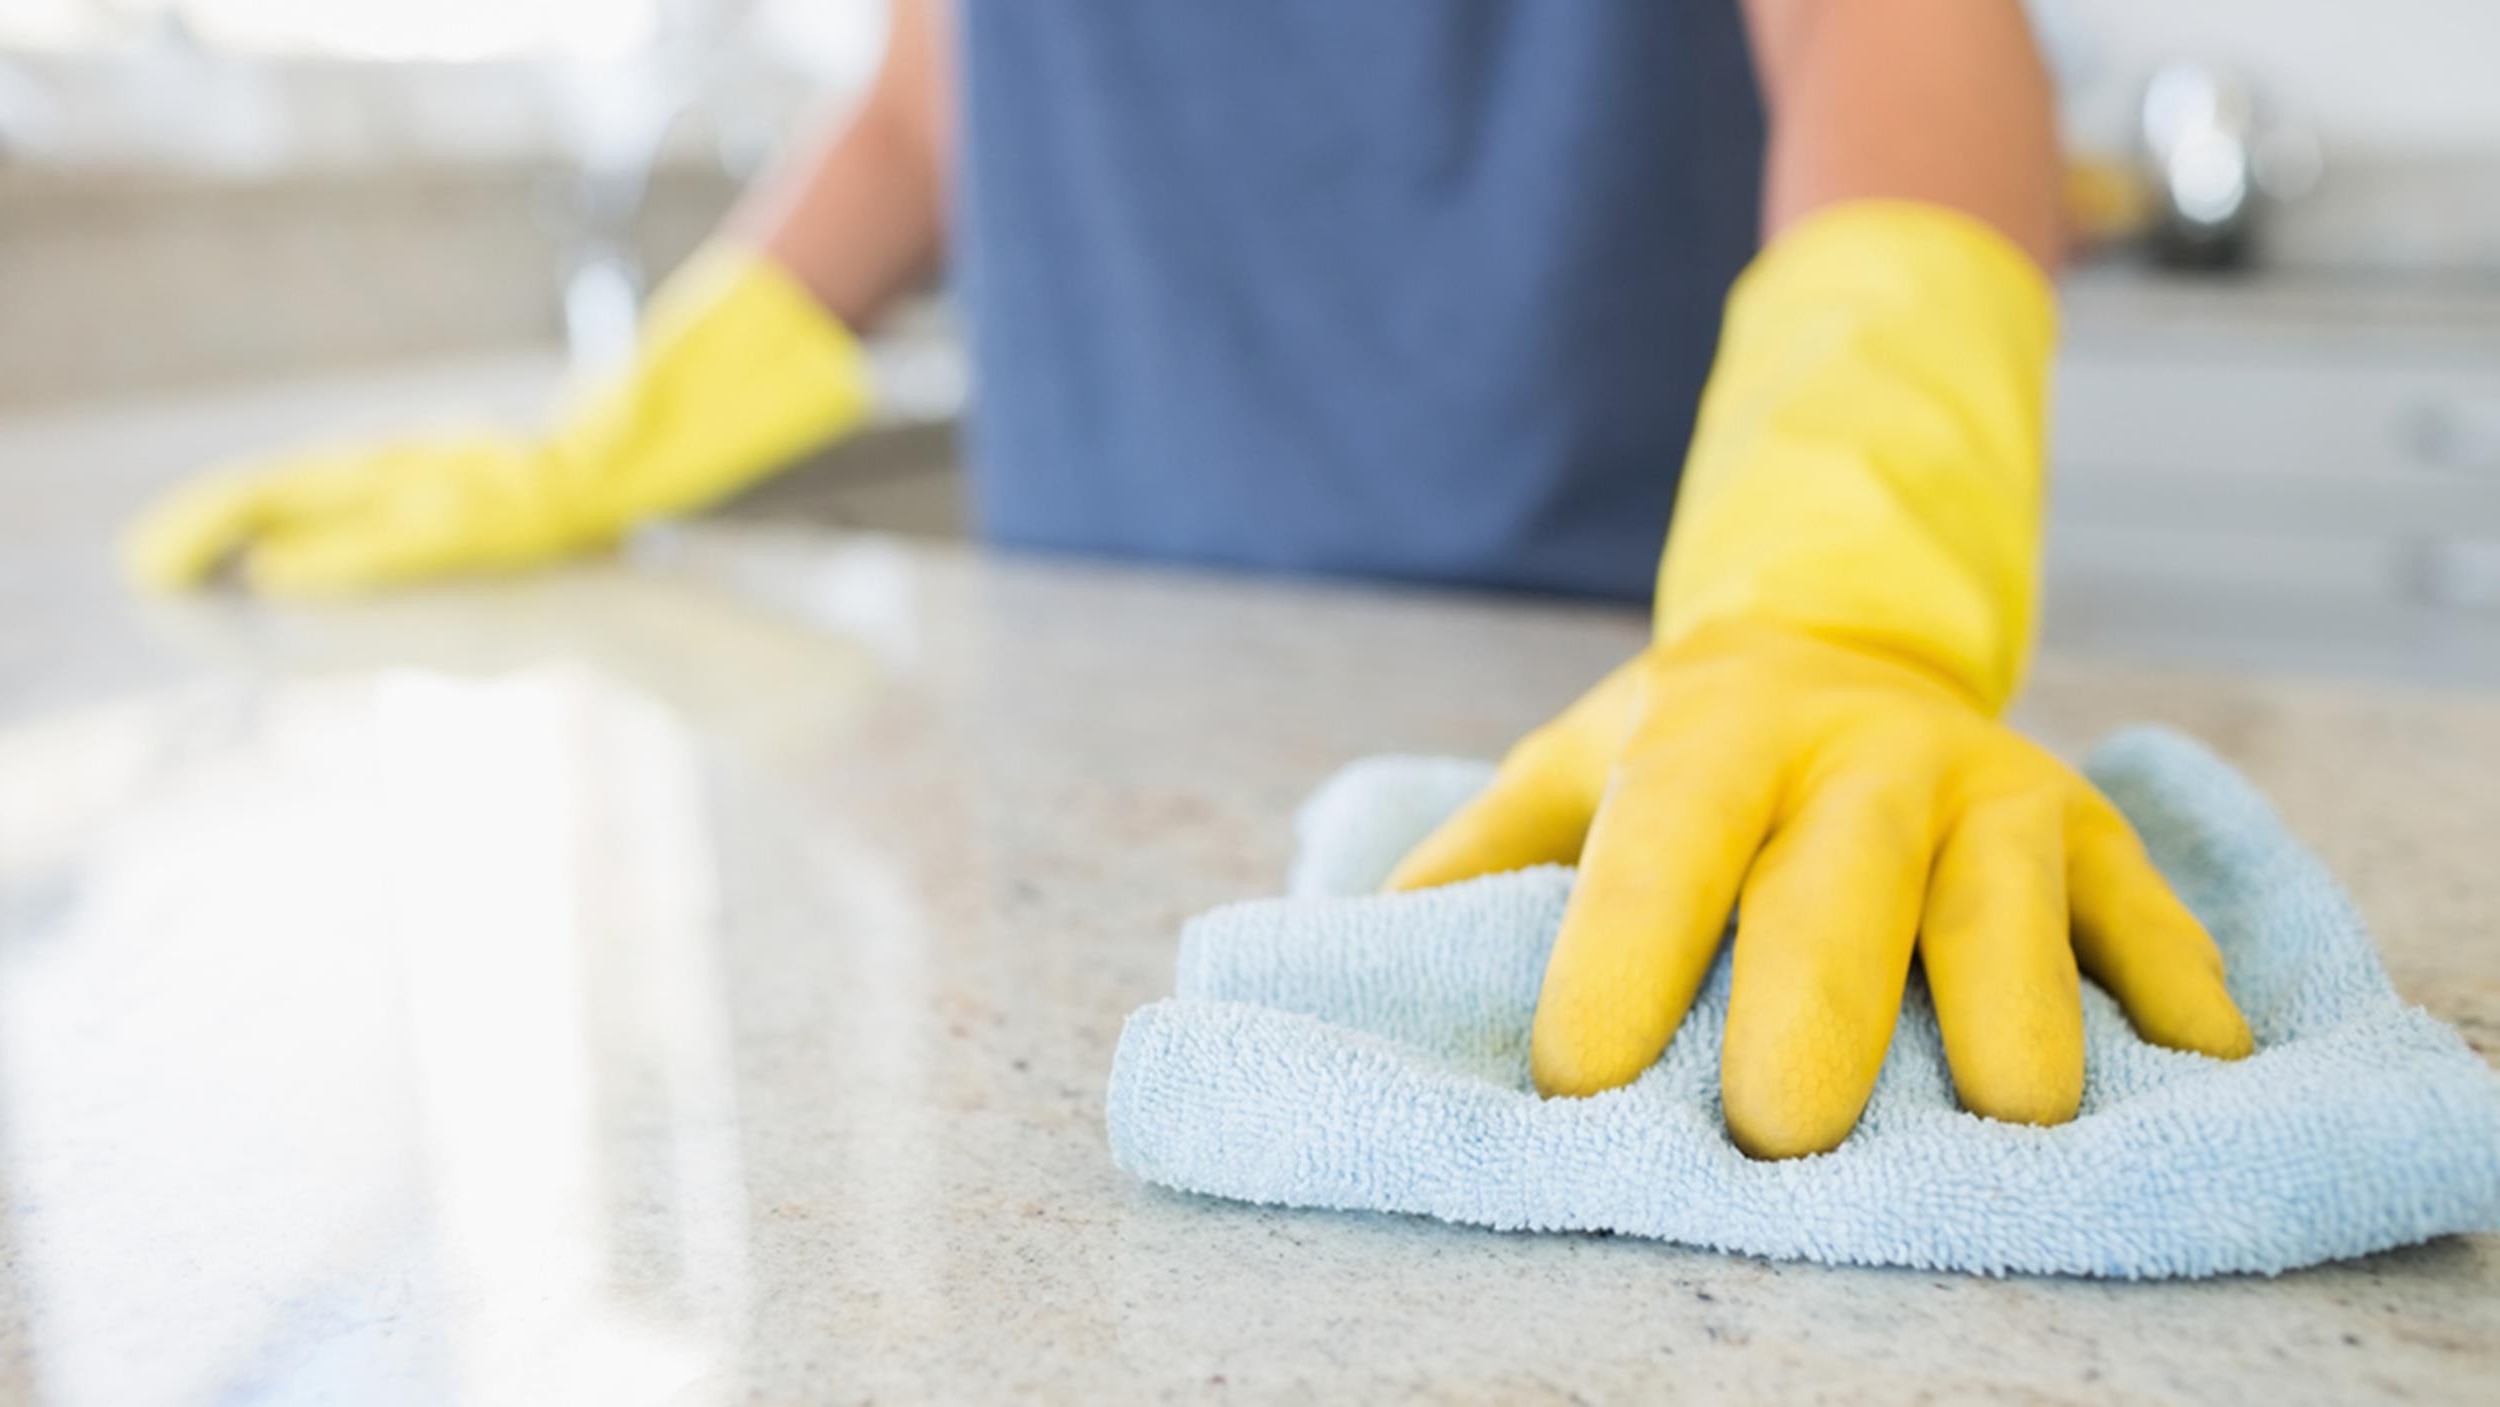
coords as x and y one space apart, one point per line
1421 289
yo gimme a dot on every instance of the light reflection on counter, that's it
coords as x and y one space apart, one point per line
367 1037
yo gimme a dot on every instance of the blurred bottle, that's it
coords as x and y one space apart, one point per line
2108 201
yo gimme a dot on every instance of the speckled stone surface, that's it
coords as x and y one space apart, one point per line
693 981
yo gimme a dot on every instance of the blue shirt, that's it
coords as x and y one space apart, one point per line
1408 288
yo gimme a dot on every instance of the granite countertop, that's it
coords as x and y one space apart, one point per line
693 979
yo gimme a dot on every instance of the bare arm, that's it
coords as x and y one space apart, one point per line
1944 101
859 214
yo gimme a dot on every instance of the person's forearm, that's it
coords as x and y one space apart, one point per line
858 215
1943 101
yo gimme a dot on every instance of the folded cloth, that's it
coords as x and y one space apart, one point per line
1347 1050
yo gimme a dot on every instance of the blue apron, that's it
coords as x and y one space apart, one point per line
1410 288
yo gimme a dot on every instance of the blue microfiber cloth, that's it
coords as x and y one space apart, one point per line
1346 1050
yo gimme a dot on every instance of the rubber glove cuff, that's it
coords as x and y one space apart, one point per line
1868 461
738 371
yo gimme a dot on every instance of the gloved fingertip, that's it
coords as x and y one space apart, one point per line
2041 1092
1417 871
1563 1069
2216 1028
1769 1131
2238 1043
1793 1080
1513 826
1445 857
1589 1038
2194 1013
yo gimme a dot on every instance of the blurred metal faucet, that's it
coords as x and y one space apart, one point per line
618 116
603 277
2215 164
622 120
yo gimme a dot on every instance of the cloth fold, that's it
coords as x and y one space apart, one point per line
1340 1049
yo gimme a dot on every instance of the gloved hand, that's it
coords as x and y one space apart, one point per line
1852 807
1844 606
739 371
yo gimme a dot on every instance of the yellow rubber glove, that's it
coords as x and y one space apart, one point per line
738 372
1845 605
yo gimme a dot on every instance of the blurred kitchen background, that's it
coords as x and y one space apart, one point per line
227 223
